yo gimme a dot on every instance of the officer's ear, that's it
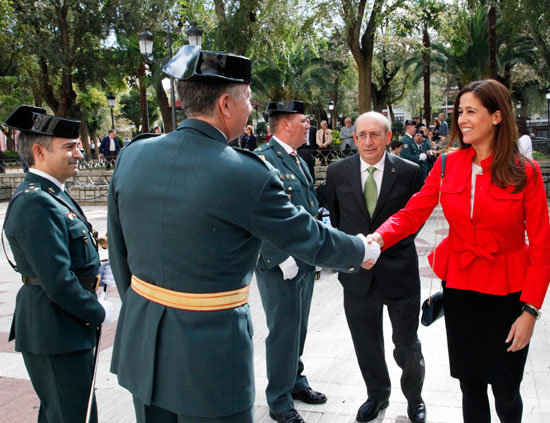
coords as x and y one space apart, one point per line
38 152
223 104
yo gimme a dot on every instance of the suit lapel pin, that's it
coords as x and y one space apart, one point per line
393 170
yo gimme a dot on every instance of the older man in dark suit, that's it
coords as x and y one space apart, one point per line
363 191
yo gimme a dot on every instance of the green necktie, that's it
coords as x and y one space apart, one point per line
371 192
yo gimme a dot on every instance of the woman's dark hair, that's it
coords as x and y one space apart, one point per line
508 166
394 145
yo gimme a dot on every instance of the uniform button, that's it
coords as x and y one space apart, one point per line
290 188
351 269
312 204
83 231
269 261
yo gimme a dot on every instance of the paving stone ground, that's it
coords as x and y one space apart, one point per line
329 358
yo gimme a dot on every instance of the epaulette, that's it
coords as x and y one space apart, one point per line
32 189
256 157
263 147
143 136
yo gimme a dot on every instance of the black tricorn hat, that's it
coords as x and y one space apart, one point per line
36 121
410 122
285 107
193 64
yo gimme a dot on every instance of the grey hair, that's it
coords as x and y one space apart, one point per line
383 120
26 140
199 98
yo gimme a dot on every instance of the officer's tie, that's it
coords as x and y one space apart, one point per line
371 192
295 156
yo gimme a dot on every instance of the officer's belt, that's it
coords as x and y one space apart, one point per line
89 283
191 301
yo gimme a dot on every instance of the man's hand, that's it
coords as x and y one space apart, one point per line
289 268
376 237
372 252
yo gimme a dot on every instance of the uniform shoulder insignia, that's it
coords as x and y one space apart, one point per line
252 154
143 136
405 145
32 189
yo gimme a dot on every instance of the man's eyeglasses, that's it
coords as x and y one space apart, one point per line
373 135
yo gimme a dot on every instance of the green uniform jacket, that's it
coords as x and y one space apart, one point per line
299 187
50 243
189 213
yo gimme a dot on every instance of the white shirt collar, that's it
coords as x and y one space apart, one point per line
410 136
286 147
48 177
379 166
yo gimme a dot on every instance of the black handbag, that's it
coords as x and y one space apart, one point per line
432 307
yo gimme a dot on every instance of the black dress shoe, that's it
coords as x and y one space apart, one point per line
417 412
370 409
290 416
309 396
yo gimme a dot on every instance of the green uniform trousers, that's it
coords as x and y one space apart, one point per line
154 414
62 383
286 304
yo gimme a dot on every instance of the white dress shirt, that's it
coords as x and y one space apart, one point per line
48 177
377 174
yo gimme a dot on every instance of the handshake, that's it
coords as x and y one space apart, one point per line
373 243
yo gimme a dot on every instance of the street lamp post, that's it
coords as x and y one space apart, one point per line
146 49
194 35
548 113
331 110
111 103
518 106
172 85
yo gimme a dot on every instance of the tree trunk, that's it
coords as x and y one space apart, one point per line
164 106
84 137
143 98
492 20
426 43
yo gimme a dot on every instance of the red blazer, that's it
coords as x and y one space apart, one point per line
487 253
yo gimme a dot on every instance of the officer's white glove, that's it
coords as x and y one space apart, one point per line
422 157
106 274
372 250
289 268
109 312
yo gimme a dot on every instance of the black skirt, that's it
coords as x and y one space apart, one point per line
477 325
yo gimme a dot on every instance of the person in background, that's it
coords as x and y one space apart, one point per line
443 129
324 140
525 143
494 282
109 149
346 137
248 139
268 134
157 130
396 147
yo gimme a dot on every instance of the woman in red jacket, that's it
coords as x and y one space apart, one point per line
495 282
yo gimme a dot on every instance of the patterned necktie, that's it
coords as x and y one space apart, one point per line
371 192
324 139
295 156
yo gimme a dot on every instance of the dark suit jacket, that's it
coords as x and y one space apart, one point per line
396 271
313 137
104 146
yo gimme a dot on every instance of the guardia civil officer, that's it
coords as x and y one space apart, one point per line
57 312
285 283
183 249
